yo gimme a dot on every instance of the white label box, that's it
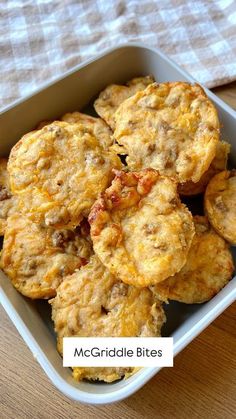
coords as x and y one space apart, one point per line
117 352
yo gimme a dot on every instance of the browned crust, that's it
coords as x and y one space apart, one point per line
125 211
113 199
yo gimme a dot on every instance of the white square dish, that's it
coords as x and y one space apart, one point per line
74 92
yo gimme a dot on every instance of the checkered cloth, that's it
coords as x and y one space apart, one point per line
41 39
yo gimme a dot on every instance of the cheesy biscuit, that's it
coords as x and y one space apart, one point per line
37 259
94 126
92 302
140 229
8 202
170 127
218 164
220 204
113 95
209 268
58 172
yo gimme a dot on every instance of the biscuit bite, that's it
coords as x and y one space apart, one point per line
113 95
170 127
94 126
140 230
218 164
37 259
208 269
91 125
220 204
8 202
92 302
58 172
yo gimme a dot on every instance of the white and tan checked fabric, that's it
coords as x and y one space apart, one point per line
41 39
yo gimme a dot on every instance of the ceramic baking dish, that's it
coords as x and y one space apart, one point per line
75 91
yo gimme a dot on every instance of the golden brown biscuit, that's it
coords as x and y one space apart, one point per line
171 127
58 173
37 259
110 98
218 164
220 204
94 126
92 302
209 268
140 230
8 202
91 125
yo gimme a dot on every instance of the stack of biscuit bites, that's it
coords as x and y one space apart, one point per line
92 218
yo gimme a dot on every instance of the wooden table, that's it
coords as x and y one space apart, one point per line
201 385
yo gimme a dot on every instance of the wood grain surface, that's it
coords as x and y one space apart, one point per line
202 383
